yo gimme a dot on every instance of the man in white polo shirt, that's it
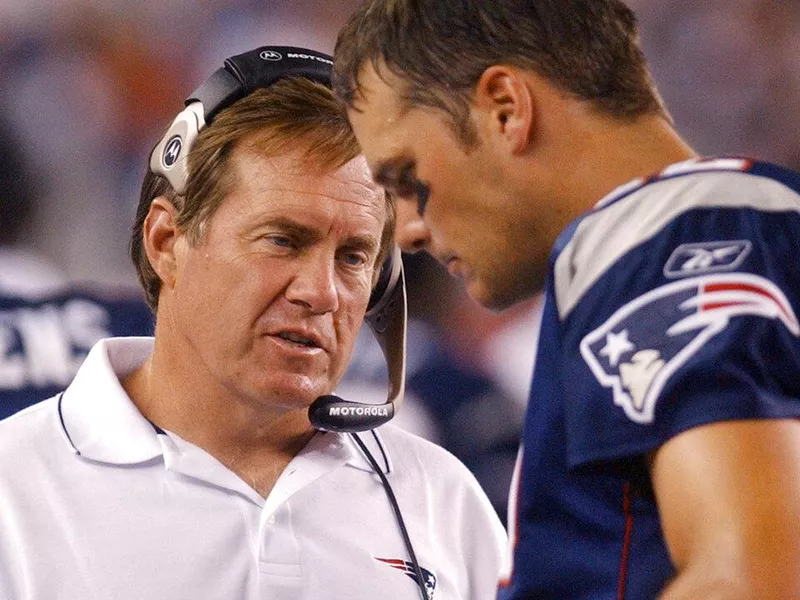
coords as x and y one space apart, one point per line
185 466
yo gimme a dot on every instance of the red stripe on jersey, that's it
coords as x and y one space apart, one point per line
626 540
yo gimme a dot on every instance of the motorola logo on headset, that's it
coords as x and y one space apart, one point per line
271 55
172 151
372 411
310 57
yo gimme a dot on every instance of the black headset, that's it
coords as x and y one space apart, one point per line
240 76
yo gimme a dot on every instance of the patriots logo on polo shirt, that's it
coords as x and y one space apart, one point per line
407 567
643 343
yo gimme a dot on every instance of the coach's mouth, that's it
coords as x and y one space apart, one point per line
303 338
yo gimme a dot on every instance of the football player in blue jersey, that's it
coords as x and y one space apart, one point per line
531 151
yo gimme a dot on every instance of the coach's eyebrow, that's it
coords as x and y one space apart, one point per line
291 227
365 243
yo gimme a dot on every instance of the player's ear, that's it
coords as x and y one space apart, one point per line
507 104
161 235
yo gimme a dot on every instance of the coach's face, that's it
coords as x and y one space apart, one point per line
454 200
268 303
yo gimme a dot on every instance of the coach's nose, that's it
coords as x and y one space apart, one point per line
314 283
411 233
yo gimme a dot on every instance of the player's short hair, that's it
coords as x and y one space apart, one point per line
291 114
439 49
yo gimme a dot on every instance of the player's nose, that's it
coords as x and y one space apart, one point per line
411 233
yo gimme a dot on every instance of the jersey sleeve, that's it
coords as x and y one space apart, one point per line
678 307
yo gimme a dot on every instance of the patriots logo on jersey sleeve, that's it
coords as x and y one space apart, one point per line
406 567
641 345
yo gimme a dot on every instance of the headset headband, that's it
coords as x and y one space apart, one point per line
239 76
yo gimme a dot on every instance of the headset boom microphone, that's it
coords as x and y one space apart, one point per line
386 317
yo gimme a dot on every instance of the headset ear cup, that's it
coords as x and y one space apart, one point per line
387 318
169 156
390 275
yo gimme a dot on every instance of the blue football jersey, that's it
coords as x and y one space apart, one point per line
672 304
44 340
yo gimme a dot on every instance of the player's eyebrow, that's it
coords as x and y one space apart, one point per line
386 172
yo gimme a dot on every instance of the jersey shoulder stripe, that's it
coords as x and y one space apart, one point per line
641 209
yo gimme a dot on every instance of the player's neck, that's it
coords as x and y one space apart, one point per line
615 153
643 148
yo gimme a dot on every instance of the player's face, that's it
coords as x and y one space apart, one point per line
452 200
269 302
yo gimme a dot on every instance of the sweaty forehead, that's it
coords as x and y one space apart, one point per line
381 129
377 85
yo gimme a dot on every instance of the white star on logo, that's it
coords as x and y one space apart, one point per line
617 344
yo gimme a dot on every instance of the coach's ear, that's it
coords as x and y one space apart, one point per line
507 106
160 238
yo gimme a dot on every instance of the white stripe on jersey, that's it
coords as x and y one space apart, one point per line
605 236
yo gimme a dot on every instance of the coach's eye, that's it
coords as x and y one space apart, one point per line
355 258
280 240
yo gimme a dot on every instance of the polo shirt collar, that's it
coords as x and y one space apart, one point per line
99 420
377 448
323 454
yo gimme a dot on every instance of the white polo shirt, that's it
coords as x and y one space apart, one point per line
95 504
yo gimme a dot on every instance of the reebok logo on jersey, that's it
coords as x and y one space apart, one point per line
706 257
406 567
636 351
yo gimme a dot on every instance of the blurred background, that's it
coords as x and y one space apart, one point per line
88 86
